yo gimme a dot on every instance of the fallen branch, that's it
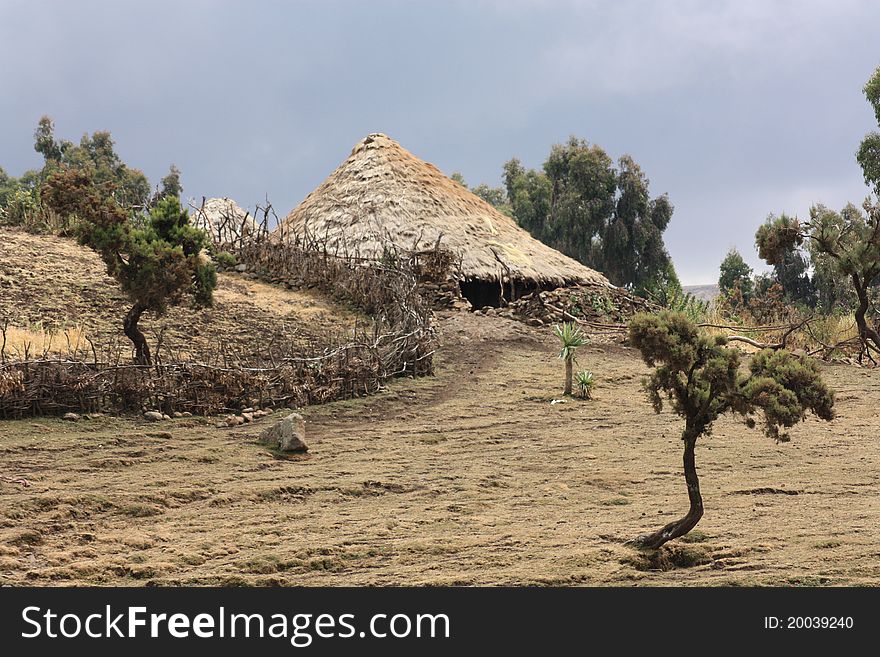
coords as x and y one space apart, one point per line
772 345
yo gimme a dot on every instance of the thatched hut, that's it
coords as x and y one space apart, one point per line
384 194
225 221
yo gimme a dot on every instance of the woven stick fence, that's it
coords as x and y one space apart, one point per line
398 341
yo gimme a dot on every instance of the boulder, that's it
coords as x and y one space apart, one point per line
286 435
70 417
154 416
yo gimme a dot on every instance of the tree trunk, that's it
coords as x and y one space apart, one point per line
683 526
866 333
568 367
130 327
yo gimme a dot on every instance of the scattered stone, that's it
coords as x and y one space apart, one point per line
166 417
154 416
70 417
247 417
186 414
247 410
287 435
241 268
535 321
177 414
234 420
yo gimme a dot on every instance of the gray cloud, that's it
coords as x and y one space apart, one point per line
733 108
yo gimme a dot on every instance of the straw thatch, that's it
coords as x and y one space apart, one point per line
383 193
224 220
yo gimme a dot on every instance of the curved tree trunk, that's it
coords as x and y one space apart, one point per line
568 367
867 334
130 327
683 526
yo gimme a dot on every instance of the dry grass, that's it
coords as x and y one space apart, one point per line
36 341
50 286
469 477
822 330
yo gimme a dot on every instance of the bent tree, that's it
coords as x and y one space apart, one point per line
157 261
702 379
848 242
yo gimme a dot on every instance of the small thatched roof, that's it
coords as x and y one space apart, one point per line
383 192
225 221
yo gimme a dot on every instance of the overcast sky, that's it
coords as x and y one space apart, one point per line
735 109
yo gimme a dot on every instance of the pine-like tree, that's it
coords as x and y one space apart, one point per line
702 380
157 262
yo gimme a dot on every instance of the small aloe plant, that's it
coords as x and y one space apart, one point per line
571 338
585 382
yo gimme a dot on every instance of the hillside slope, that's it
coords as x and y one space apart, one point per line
51 284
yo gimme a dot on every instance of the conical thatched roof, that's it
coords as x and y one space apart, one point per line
383 192
224 220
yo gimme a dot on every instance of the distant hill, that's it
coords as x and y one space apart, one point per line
702 292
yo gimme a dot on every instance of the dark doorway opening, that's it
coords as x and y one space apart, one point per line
481 293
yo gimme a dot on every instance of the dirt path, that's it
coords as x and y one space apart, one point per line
469 477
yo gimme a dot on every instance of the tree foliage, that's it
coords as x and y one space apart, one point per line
735 274
868 155
170 184
8 185
847 246
844 246
95 155
596 211
777 239
158 261
702 379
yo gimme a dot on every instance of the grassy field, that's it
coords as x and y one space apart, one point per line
468 477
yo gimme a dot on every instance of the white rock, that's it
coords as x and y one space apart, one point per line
287 435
